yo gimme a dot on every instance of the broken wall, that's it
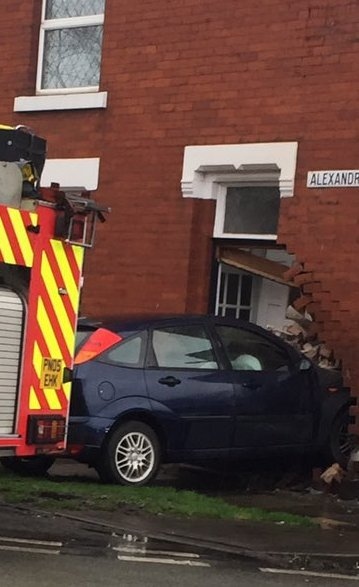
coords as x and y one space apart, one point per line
322 228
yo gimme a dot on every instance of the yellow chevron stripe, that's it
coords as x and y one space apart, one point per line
22 236
67 390
64 266
47 331
79 253
37 360
5 246
33 218
57 303
52 399
34 403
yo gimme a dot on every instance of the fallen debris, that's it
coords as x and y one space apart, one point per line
331 524
334 473
300 334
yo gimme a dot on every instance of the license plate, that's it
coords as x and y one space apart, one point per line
51 373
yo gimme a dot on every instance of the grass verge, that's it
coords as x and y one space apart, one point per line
78 495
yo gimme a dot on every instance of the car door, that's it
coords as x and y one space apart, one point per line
189 392
274 401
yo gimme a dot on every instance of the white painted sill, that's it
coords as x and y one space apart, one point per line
60 102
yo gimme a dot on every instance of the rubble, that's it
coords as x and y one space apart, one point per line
334 473
299 333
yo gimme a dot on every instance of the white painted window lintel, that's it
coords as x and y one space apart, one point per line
207 168
72 174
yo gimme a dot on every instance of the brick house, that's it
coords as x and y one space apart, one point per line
199 122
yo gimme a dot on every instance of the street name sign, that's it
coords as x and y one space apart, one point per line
334 178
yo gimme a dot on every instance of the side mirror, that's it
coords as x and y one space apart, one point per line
67 376
304 365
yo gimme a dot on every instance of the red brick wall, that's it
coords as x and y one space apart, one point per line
203 72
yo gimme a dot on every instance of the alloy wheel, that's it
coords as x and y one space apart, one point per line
135 457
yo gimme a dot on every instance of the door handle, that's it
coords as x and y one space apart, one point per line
170 381
250 385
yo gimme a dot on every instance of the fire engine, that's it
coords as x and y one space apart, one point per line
43 235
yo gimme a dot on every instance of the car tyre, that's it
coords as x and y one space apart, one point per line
29 466
341 442
132 455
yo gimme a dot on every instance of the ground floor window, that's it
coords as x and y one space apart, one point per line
235 293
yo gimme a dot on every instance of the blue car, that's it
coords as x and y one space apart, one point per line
193 389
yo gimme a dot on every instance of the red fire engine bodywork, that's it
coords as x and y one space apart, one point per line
50 297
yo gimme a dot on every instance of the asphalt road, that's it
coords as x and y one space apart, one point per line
43 550
50 570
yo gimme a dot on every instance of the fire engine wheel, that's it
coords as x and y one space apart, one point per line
132 455
31 466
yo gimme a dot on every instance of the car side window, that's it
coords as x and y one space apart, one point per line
128 353
249 351
183 347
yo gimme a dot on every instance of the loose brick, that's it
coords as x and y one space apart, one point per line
301 302
293 271
302 278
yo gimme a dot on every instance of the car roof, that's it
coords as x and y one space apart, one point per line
122 324
138 322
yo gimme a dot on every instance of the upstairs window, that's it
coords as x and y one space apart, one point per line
70 46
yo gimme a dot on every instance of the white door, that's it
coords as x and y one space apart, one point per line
272 304
272 296
11 329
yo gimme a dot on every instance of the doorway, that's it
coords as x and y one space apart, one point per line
246 288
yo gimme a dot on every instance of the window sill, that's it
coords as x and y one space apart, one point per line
244 236
60 102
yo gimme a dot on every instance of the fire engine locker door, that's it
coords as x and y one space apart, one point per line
11 329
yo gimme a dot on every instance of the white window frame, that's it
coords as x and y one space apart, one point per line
220 308
62 23
221 203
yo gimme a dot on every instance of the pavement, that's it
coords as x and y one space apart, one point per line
330 546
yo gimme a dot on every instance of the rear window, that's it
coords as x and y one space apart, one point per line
128 353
